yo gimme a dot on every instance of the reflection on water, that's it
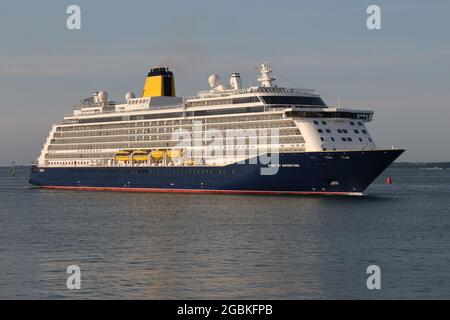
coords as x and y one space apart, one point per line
157 246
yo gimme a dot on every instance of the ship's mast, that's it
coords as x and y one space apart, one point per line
266 79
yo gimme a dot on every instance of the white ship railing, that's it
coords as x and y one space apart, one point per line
215 94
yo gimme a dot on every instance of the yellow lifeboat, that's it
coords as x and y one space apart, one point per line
140 155
157 154
174 154
122 155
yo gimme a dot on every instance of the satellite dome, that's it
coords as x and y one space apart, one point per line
213 80
103 97
129 95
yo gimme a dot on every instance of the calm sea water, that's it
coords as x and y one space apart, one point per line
164 246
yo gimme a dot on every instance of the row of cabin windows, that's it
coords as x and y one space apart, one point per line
345 139
325 123
173 122
202 171
341 131
139 101
283 126
69 162
159 171
329 157
172 115
182 171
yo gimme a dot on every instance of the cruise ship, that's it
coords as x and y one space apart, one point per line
263 139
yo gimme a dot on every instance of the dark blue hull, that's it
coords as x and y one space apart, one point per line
348 172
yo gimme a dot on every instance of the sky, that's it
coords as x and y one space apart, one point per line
401 72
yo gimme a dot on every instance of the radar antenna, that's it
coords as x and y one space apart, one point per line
265 69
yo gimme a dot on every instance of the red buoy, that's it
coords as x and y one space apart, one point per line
388 180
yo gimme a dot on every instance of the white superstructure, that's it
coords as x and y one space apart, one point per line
99 128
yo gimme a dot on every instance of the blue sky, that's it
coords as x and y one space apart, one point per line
402 72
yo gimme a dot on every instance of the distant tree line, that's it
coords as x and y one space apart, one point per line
421 165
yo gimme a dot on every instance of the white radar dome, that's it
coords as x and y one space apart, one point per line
129 95
103 97
213 80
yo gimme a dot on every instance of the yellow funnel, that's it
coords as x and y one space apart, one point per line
160 82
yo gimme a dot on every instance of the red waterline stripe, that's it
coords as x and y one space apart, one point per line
162 190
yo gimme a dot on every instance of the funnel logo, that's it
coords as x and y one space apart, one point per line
73 21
